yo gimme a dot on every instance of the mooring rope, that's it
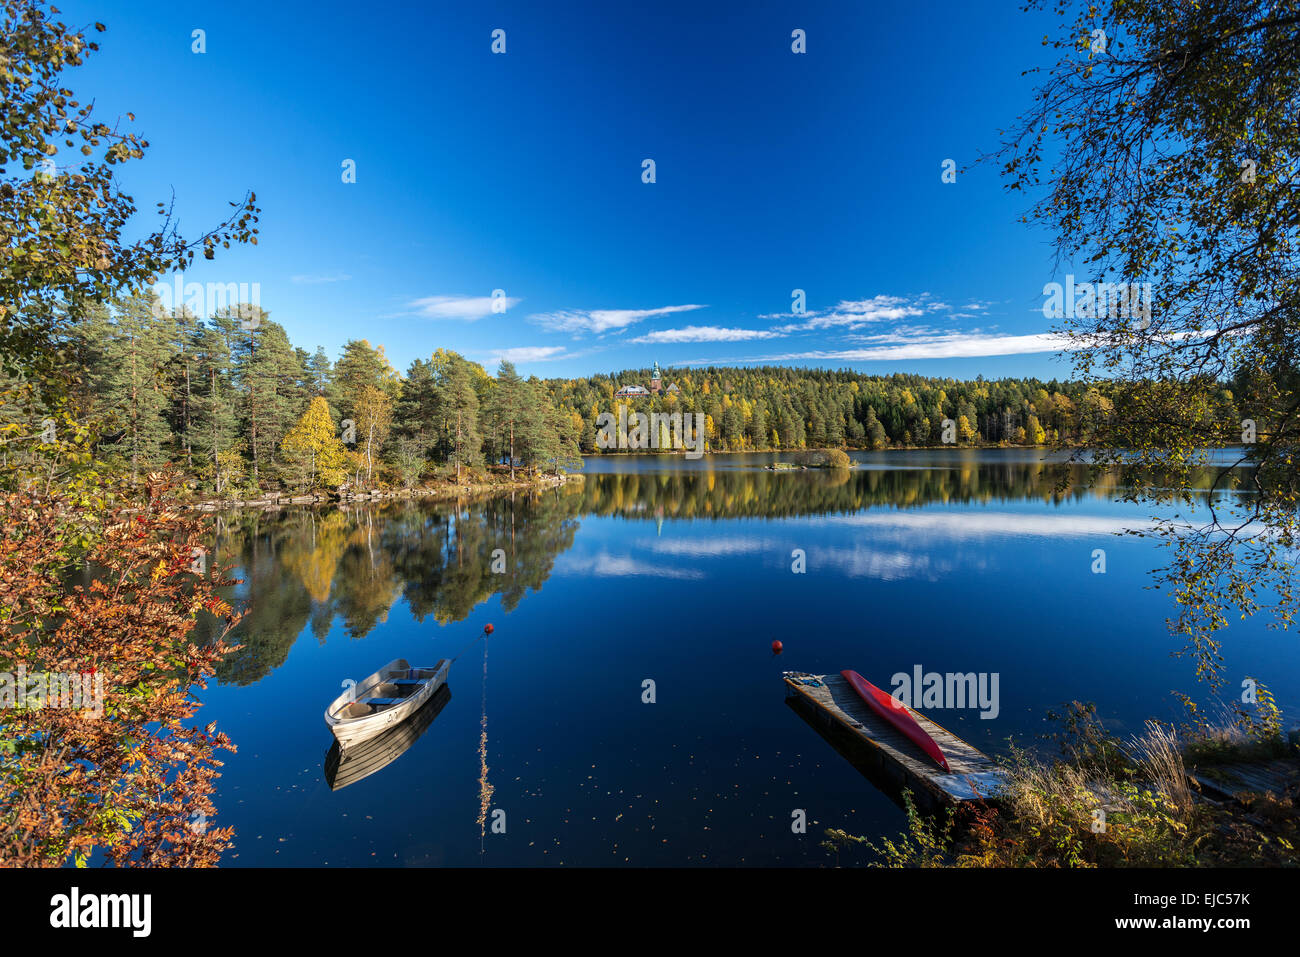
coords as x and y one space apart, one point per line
482 634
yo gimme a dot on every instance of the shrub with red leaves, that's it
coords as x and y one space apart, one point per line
133 783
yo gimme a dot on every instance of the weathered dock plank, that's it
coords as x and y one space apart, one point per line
1222 782
885 755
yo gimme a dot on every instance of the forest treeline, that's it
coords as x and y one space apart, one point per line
781 407
237 406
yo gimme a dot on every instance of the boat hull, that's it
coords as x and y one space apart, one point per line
351 731
896 714
368 757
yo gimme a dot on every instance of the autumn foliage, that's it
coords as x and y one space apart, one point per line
134 783
312 448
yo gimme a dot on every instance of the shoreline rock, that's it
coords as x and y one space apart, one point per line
473 489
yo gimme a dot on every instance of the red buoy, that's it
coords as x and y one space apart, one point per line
776 647
487 629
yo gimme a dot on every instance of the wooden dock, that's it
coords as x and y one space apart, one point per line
1224 782
883 755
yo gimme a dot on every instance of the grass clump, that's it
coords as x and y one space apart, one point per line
1106 802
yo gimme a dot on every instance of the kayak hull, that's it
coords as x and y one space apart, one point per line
895 713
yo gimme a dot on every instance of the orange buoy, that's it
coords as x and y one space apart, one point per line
487 629
776 647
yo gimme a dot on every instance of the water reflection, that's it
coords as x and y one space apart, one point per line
739 486
485 788
685 575
368 757
309 568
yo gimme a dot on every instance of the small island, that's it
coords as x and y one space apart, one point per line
814 459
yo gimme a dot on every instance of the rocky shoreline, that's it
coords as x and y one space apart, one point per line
344 497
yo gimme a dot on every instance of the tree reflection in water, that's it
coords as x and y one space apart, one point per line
310 567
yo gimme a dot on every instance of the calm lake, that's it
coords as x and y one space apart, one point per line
681 573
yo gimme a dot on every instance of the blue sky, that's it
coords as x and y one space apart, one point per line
522 172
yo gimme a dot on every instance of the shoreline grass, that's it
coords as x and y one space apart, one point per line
1107 802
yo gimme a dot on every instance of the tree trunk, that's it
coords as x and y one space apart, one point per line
135 419
216 460
185 420
252 401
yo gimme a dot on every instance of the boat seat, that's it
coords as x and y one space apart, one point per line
383 702
408 681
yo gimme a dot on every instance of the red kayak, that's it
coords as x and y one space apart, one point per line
892 710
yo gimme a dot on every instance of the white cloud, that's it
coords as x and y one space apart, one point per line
906 527
854 314
708 547
947 346
601 320
312 280
964 345
887 565
704 334
901 334
605 565
519 354
467 308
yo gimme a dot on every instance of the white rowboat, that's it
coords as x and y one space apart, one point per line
382 701
374 754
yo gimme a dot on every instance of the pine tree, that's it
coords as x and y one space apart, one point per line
511 405
460 414
183 327
134 383
215 399
874 431
546 434
359 367
415 414
320 374
733 426
272 389
93 337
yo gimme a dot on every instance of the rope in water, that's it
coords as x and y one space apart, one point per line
483 634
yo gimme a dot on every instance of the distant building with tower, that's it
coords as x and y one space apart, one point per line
656 387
